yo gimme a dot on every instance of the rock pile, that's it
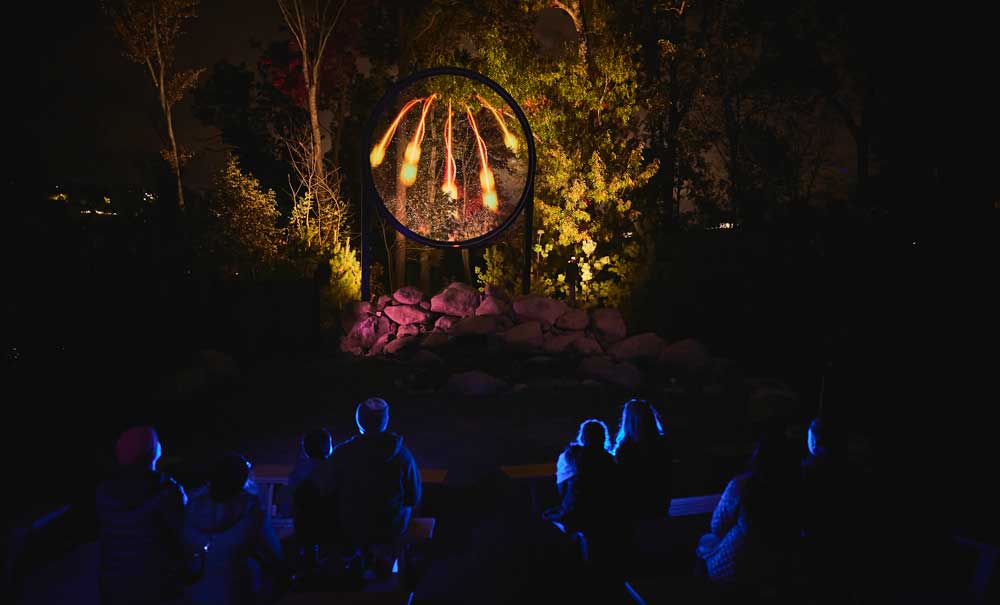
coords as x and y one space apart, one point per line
409 324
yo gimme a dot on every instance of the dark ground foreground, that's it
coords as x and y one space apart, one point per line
491 544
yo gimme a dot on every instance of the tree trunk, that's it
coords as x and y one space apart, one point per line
467 265
669 169
176 164
733 136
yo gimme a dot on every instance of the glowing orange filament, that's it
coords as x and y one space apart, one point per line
411 157
508 139
486 183
378 151
450 169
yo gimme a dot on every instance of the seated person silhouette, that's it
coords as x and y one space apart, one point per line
140 514
373 482
227 526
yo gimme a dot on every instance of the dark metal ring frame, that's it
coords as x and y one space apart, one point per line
526 194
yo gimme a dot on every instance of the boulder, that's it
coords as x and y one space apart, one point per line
408 295
457 301
353 313
492 306
364 334
539 308
406 314
622 374
400 344
607 325
688 355
641 346
425 305
475 382
478 324
573 319
498 292
526 336
586 345
383 302
407 330
561 342
445 323
380 344
434 339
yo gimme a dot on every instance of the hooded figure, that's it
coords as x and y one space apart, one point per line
228 526
373 479
140 517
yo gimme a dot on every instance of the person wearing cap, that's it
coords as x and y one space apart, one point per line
373 479
239 550
140 518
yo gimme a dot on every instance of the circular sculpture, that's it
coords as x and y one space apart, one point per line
451 158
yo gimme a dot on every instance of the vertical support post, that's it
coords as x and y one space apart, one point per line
529 213
366 261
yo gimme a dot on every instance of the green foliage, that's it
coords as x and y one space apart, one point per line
345 276
583 110
247 220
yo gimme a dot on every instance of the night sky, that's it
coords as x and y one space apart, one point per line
94 112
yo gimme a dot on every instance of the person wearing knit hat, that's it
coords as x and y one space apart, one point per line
372 415
138 445
141 518
374 482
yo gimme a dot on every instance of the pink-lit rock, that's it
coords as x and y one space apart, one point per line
492 306
524 336
641 346
408 295
607 325
457 301
573 319
405 314
538 308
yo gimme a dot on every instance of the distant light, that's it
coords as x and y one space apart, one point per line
914 243
107 200
725 225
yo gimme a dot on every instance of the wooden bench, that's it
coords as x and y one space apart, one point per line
530 471
694 505
679 507
269 476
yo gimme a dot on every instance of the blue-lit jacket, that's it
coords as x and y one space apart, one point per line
237 544
375 484
140 518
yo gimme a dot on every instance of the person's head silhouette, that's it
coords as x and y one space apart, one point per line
593 434
372 415
317 444
138 447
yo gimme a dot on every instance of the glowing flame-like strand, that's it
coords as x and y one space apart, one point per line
486 182
378 151
411 157
450 168
508 139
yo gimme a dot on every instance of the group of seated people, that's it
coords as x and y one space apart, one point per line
784 510
156 545
352 501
